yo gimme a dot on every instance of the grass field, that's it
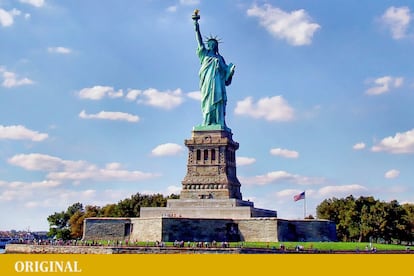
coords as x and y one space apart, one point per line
290 246
324 246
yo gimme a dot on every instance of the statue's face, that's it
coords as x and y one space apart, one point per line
212 45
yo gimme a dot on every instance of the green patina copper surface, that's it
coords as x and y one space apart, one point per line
212 127
214 76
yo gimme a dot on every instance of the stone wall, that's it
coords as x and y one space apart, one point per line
56 249
146 229
306 230
106 228
208 213
207 208
198 229
205 229
258 229
257 212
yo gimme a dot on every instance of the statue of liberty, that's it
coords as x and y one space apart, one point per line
214 75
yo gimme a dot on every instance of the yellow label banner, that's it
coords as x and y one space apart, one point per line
207 264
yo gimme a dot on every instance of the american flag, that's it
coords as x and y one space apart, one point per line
299 196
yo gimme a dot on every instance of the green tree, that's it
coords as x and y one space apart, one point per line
173 196
340 211
77 219
130 207
76 207
69 224
327 209
108 210
76 224
366 219
397 222
59 226
409 231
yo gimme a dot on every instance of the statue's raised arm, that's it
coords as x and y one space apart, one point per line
199 38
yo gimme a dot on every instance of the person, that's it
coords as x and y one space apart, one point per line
214 76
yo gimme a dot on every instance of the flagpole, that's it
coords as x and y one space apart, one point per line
304 207
301 196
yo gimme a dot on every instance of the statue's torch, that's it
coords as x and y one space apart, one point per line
195 16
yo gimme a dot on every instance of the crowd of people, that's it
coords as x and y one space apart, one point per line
124 243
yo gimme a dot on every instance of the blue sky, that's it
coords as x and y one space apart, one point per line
97 98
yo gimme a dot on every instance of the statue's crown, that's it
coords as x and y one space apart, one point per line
214 38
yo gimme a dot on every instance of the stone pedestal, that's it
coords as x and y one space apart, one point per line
210 207
210 188
207 208
211 166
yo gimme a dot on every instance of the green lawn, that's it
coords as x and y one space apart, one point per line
323 246
320 246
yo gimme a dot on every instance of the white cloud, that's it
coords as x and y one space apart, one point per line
10 79
108 115
271 109
19 132
295 27
392 174
9 195
173 190
101 175
288 193
399 144
244 161
397 20
7 17
384 85
36 3
59 50
341 190
46 194
60 170
172 9
133 94
168 99
98 92
61 198
45 184
189 2
113 166
167 149
283 177
37 162
195 95
359 146
30 185
33 204
162 99
284 153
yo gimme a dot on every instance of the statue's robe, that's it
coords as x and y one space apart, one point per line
214 75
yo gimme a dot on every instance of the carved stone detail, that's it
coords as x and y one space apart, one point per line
216 174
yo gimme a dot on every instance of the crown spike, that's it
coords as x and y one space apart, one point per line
211 37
